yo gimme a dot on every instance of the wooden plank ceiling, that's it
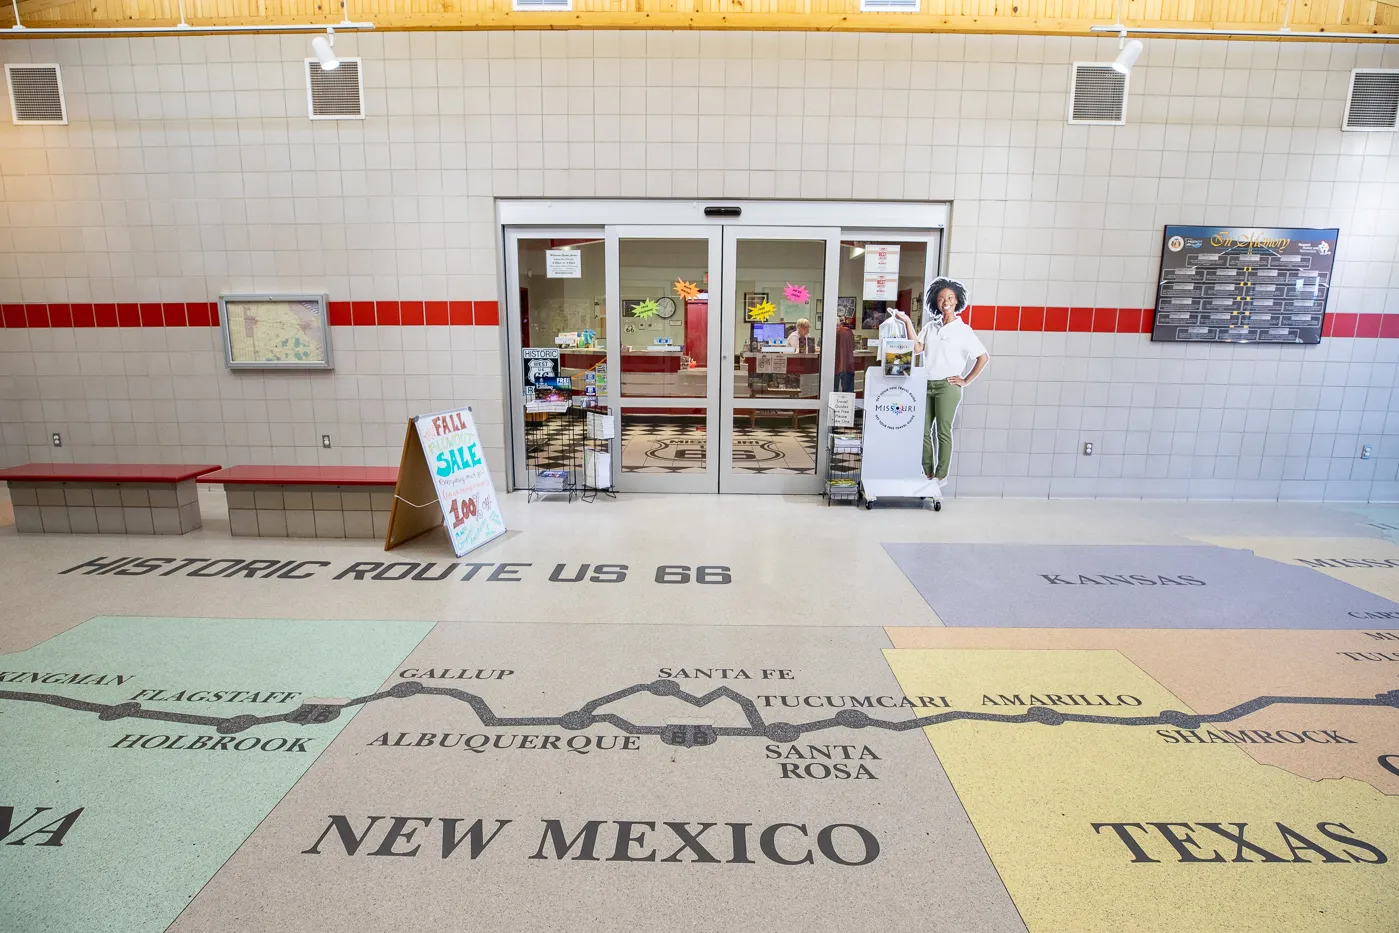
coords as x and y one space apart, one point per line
1071 17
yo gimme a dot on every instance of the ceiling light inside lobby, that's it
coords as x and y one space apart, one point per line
1128 56
324 48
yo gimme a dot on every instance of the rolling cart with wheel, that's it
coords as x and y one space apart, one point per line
891 464
927 490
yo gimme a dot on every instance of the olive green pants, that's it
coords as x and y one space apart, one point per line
943 399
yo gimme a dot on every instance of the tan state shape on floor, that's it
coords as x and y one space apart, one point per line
1212 670
1369 563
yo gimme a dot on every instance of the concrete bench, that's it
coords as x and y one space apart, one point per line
307 501
106 498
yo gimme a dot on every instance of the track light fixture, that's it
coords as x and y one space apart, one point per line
1126 58
324 49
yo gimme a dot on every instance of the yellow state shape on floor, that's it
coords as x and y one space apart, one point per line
1034 793
1212 670
1369 563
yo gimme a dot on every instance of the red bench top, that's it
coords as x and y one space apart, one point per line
304 476
106 472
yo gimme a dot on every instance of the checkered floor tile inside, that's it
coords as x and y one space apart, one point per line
663 445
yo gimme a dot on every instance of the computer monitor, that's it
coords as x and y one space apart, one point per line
770 333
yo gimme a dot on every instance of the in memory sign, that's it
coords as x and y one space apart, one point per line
452 449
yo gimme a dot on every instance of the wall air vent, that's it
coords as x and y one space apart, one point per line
1373 101
36 94
337 94
1098 95
542 6
889 6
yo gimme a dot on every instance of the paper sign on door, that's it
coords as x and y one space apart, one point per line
563 264
882 259
882 287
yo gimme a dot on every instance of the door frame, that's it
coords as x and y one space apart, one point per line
517 476
539 218
598 212
708 482
729 479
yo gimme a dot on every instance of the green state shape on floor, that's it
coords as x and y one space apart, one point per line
155 823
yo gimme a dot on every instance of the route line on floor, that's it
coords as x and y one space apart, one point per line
687 735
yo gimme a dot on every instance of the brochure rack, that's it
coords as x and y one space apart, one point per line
599 428
844 453
552 441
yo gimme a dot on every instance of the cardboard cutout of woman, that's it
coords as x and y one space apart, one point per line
953 357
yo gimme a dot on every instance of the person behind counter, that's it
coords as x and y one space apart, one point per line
950 347
800 340
845 356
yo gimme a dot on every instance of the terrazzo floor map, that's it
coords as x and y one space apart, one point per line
197 774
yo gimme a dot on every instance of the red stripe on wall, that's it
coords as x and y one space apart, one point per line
1024 318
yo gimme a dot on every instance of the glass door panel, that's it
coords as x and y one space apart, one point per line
552 307
778 283
775 441
863 314
665 441
550 310
665 317
777 318
659 311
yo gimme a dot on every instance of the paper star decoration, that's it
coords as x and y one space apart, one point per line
796 294
646 309
688 291
763 311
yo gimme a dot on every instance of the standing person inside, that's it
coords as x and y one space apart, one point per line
953 358
845 356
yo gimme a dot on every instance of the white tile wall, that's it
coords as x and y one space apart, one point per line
163 395
190 169
1177 422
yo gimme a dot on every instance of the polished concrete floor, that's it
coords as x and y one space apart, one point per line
792 561
208 733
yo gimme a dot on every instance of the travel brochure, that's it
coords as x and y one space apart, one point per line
896 353
553 389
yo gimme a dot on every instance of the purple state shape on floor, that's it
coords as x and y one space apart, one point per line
1129 586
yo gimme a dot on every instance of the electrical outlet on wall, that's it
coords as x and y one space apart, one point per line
325 441
57 439
1088 448
1365 452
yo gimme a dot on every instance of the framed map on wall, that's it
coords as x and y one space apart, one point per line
275 331
1243 284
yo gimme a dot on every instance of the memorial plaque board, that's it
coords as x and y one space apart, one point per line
1243 285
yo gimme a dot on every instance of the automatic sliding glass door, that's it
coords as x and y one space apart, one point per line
779 321
716 346
663 337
